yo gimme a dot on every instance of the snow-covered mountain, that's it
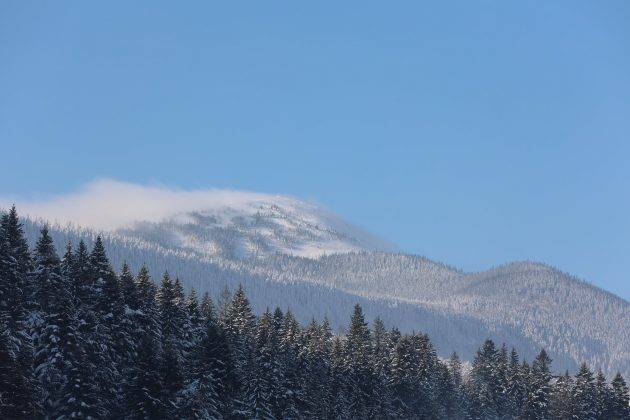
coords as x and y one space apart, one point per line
290 253
256 227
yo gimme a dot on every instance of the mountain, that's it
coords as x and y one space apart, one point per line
298 255
256 227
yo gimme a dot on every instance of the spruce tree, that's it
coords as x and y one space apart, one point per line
359 364
484 382
292 366
561 397
143 399
515 391
538 398
603 396
584 396
207 308
16 302
338 388
239 322
261 386
51 330
620 401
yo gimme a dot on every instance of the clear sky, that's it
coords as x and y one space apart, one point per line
472 132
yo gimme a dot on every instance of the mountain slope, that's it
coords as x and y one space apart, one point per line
296 255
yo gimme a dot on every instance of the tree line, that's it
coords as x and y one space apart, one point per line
80 341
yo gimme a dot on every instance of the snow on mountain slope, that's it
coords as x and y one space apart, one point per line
258 227
208 223
290 253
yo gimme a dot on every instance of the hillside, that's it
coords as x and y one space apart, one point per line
296 255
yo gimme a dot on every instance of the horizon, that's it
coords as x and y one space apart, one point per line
156 203
474 136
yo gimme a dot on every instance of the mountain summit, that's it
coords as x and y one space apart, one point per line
255 227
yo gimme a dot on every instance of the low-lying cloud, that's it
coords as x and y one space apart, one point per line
109 204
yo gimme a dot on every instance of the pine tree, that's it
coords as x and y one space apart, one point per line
145 390
223 303
212 370
15 287
16 300
52 294
584 397
603 396
129 289
561 397
147 316
292 397
502 379
515 391
194 323
239 322
403 383
359 364
484 382
107 334
338 388
143 399
84 287
538 398
262 373
620 401
16 384
172 313
455 369
207 308
69 345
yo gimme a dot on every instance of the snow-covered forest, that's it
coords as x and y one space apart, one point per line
526 305
79 340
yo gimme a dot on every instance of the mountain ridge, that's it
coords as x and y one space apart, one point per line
525 304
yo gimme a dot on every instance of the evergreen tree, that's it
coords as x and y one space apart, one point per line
620 402
455 369
515 391
143 399
584 395
15 286
129 289
239 322
194 322
603 396
207 308
538 398
16 299
359 364
402 381
213 370
561 397
147 317
337 399
292 397
484 382
52 330
107 333
144 396
262 373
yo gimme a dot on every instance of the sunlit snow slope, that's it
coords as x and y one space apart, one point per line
290 253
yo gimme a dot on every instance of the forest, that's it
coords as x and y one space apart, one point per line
79 340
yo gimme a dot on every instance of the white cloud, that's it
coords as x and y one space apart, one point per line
109 204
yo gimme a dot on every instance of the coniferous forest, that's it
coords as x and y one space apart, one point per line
79 340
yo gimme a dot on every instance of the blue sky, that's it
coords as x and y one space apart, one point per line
474 133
